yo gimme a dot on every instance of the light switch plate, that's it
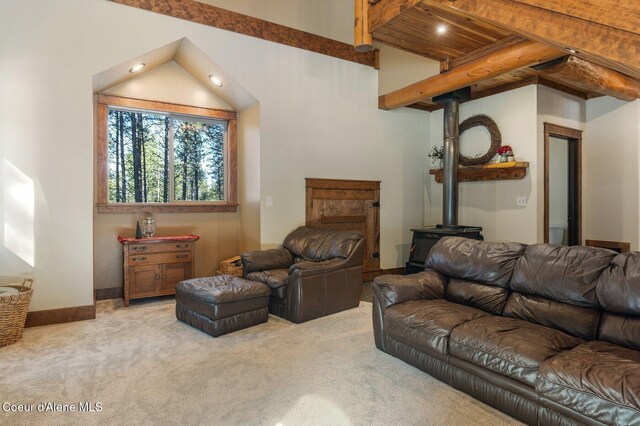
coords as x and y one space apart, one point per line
521 201
269 201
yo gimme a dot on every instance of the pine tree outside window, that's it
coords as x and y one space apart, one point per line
157 157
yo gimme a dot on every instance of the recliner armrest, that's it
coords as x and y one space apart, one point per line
262 260
394 289
308 268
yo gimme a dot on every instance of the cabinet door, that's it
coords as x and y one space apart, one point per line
173 273
144 279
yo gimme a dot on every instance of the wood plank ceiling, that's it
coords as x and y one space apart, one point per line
475 39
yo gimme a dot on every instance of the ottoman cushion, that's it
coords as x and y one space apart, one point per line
222 304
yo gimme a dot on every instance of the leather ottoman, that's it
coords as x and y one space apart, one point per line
222 304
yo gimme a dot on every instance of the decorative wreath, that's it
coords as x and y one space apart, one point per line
494 132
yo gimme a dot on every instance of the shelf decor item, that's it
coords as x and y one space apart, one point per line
138 231
505 151
494 133
437 155
149 227
14 305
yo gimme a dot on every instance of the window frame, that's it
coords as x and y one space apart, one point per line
230 204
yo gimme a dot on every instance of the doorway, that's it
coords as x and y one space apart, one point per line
562 185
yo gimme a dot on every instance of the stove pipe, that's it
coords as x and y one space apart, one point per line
451 103
451 153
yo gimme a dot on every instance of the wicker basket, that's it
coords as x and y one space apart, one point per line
13 313
231 266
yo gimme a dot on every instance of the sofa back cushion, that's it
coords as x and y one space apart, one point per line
472 260
618 292
621 330
578 321
561 273
321 244
618 288
489 298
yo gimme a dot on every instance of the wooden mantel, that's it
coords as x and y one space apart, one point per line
483 173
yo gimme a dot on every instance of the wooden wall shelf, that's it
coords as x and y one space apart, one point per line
481 173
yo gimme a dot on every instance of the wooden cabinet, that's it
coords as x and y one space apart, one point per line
153 266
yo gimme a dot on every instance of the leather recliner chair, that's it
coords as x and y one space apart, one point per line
315 273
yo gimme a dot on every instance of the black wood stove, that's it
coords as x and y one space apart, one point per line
425 238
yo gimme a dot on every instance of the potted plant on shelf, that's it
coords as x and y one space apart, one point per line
437 155
506 153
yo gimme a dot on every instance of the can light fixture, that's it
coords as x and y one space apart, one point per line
215 80
571 50
441 29
137 67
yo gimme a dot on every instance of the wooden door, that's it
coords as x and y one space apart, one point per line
347 205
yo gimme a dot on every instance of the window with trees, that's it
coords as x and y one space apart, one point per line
156 157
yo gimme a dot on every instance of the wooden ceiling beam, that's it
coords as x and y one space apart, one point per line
591 77
599 42
485 50
620 14
385 11
205 14
516 56
362 37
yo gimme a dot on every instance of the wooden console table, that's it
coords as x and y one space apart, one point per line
153 266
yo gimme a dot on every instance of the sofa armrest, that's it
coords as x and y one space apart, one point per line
308 268
356 257
262 260
394 289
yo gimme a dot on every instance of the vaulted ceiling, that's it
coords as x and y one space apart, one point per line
585 47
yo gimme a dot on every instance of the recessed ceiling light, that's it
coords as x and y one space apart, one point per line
215 80
137 67
572 51
441 29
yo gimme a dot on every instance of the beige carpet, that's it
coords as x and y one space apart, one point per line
145 367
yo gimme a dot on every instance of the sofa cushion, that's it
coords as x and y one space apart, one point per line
597 379
427 324
276 279
620 329
492 262
561 273
508 346
321 244
618 288
482 296
578 321
393 289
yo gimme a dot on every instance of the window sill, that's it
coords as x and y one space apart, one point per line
166 208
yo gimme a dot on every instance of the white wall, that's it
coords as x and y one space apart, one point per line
169 83
318 118
399 68
329 18
492 204
561 109
610 156
249 178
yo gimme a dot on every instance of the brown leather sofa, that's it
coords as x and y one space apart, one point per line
547 334
315 273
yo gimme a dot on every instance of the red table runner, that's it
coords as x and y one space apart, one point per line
187 237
